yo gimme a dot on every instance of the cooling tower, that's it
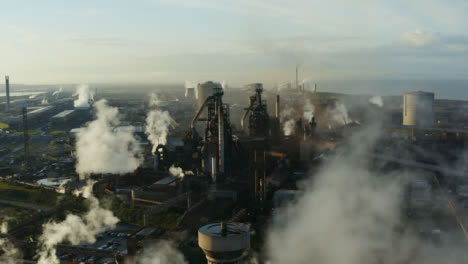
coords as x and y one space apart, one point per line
189 93
418 109
204 90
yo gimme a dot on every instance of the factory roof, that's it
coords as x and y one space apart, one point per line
76 130
83 107
63 114
166 181
38 110
147 231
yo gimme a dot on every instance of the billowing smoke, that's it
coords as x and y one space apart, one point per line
308 110
157 124
84 96
377 100
44 100
306 84
163 252
74 229
8 252
176 171
102 149
287 119
224 85
99 149
34 96
338 115
59 91
350 213
61 188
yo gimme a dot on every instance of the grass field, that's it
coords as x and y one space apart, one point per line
28 194
134 215
13 214
3 125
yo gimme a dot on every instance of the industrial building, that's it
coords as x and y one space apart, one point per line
237 168
37 115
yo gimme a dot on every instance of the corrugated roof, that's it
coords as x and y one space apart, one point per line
63 114
166 181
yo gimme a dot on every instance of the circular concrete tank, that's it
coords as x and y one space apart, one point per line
418 109
224 242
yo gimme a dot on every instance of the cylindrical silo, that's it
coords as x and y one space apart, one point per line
204 90
224 242
418 109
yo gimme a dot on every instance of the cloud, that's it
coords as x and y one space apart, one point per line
97 40
420 38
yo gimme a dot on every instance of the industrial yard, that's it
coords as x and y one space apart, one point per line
227 159
234 132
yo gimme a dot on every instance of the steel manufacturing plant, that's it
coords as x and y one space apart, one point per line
277 154
213 174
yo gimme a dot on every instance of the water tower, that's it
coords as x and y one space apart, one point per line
226 243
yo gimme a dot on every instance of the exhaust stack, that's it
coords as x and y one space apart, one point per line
277 106
7 87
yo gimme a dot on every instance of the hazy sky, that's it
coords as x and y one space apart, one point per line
237 40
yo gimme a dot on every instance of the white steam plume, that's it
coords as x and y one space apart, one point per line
308 110
57 92
351 214
8 252
102 149
287 118
44 100
338 114
162 252
176 171
377 100
224 85
84 96
157 124
74 229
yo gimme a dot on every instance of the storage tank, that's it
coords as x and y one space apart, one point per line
224 242
418 109
204 90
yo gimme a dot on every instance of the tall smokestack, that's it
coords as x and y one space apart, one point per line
221 138
7 87
277 106
297 84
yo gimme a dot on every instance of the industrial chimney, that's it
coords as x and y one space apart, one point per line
7 87
297 84
278 106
